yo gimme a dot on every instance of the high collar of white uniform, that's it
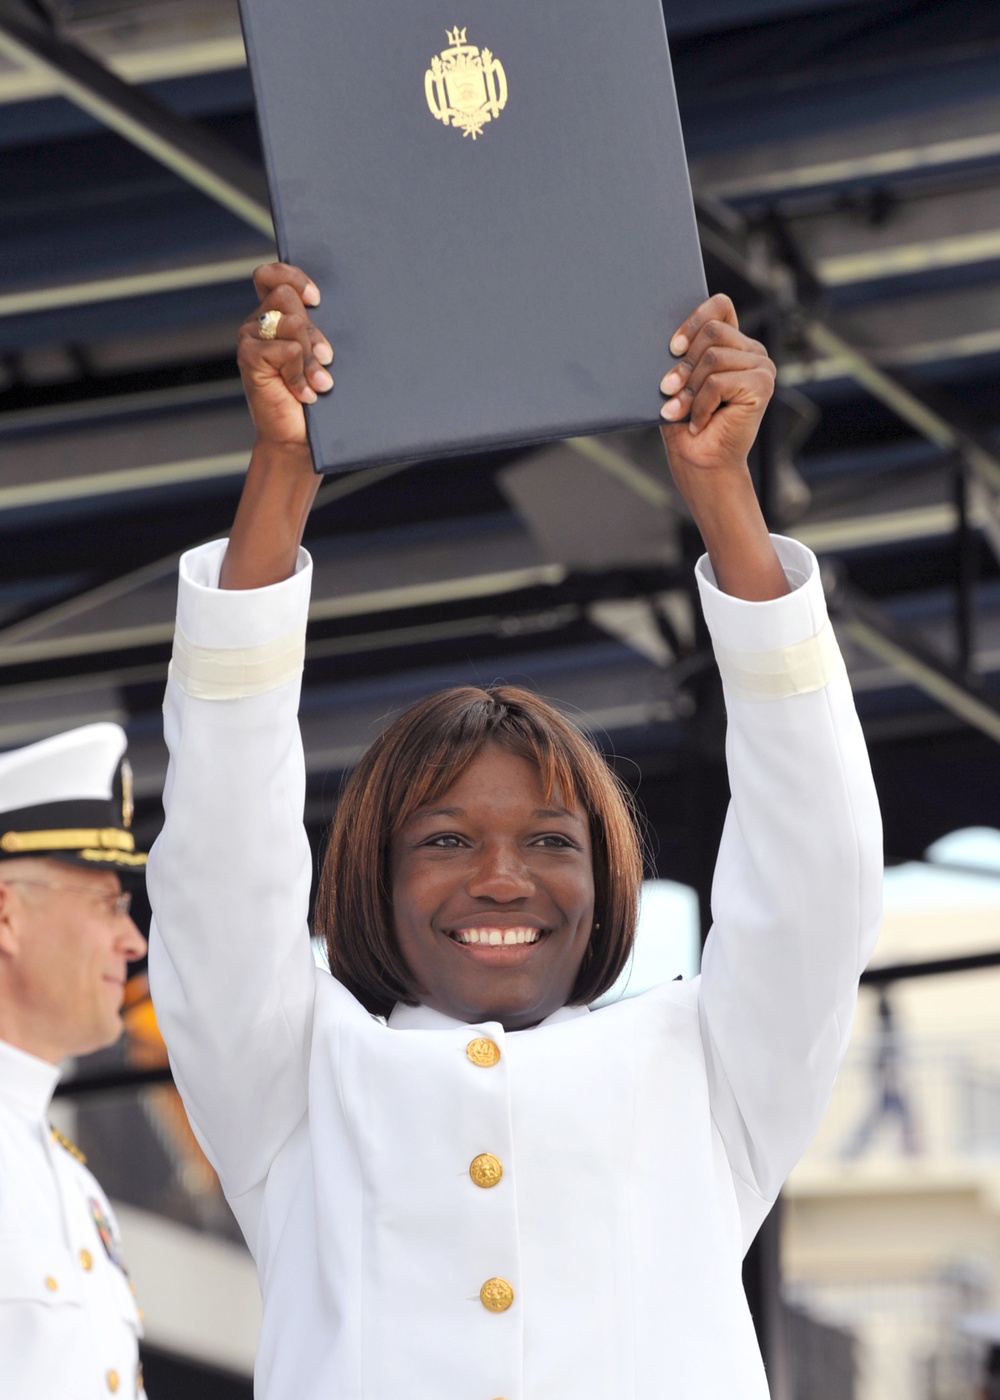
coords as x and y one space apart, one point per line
425 1018
26 1082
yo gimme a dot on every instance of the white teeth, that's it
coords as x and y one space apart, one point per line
497 936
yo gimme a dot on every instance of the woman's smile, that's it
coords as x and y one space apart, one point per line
497 936
498 944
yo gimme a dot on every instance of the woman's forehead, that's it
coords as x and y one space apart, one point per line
491 770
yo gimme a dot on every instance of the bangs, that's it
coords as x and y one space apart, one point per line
452 755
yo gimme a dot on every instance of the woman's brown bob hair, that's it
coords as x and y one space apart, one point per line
412 763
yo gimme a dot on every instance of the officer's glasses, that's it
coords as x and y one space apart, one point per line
116 905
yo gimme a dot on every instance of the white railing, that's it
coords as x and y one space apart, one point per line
929 1098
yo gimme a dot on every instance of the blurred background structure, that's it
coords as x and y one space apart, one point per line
846 163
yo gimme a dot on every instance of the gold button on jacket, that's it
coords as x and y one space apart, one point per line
86 1260
496 1295
486 1170
483 1051
113 1381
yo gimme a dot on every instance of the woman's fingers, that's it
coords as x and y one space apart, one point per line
717 308
322 348
271 275
747 388
735 379
714 363
287 359
717 349
712 339
303 371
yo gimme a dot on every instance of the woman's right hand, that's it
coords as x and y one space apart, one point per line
282 374
279 377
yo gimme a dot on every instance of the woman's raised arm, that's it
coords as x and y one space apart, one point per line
230 962
796 897
282 369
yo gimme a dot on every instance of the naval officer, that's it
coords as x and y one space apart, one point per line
457 1182
69 1324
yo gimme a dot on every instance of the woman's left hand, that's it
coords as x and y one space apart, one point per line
717 394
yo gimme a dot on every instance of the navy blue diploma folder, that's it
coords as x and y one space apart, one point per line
494 201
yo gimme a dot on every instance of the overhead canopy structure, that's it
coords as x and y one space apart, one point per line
847 166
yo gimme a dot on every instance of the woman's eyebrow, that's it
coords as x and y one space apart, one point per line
557 812
547 813
437 812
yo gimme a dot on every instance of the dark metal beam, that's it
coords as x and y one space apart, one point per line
933 967
965 695
724 235
183 146
966 545
107 592
111 1081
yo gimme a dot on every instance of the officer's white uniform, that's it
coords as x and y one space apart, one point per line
640 1145
69 1326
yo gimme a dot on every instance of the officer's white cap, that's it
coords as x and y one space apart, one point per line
70 797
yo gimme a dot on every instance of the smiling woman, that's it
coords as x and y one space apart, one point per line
480 812
457 1180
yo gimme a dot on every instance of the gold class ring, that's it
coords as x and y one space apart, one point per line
268 323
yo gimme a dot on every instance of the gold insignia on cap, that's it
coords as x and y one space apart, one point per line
128 805
465 87
137 858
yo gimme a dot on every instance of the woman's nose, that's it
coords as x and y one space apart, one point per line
501 874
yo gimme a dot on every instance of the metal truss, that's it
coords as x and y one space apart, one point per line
771 269
209 164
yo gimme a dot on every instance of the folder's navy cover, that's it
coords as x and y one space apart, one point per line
494 201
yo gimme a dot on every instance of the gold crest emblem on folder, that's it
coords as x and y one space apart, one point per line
465 87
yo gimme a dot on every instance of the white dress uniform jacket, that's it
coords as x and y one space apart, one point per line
69 1326
641 1145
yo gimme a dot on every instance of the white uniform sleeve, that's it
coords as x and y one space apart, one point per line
797 895
230 963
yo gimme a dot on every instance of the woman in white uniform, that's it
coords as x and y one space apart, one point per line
456 1181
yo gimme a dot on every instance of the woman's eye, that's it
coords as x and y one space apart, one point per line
445 839
555 841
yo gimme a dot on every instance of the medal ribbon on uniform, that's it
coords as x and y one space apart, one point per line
111 1245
